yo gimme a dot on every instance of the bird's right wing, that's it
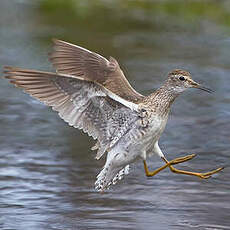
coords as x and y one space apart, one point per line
83 104
71 59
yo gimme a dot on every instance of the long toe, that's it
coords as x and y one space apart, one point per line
182 159
213 172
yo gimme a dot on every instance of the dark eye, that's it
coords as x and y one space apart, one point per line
182 78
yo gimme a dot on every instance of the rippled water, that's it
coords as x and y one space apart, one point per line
47 171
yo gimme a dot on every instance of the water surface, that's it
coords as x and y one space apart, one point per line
47 171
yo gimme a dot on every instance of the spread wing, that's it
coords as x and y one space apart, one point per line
75 60
83 104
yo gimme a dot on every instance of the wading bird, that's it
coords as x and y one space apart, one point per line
91 93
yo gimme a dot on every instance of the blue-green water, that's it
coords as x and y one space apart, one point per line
47 171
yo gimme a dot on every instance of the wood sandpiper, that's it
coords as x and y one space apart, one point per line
91 93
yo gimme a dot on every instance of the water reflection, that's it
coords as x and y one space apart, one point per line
47 171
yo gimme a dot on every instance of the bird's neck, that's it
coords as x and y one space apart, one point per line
161 100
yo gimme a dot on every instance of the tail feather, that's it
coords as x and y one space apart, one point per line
121 174
108 176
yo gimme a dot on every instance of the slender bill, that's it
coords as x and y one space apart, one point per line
198 86
205 89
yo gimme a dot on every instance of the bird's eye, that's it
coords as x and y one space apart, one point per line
181 78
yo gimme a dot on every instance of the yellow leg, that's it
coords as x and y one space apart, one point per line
200 175
168 164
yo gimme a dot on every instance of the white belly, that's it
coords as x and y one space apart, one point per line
137 143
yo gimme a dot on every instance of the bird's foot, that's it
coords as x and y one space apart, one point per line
200 175
186 158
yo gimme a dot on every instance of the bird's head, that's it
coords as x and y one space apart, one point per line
180 80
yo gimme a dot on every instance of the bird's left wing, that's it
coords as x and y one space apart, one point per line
83 104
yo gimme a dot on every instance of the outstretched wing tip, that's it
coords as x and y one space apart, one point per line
9 70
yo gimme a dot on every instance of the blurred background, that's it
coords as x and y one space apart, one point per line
47 171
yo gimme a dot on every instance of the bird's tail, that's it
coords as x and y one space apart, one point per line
109 176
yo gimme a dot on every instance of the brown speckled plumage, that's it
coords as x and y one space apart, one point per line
91 93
